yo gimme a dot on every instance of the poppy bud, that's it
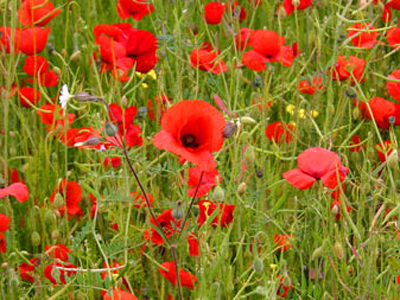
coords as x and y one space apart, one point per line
14 282
75 56
49 218
250 156
259 172
393 159
177 212
86 97
80 296
55 234
92 141
57 70
229 130
58 201
241 189
338 250
317 253
247 120
124 101
258 266
335 210
35 239
218 194
111 129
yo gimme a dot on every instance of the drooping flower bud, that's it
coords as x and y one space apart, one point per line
258 265
111 129
35 239
50 218
250 156
58 201
177 212
229 130
247 120
393 159
338 250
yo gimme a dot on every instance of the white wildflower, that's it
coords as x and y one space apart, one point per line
64 96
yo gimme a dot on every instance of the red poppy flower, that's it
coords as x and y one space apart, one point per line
58 251
168 224
4 222
36 12
3 243
26 270
394 87
136 9
284 286
207 60
282 242
122 47
37 66
113 162
72 192
192 129
14 176
48 272
387 14
306 88
140 200
28 96
125 124
268 46
279 132
209 180
243 38
193 242
31 40
52 116
224 217
119 294
398 280
289 6
5 38
18 190
382 110
344 69
366 39
213 12
336 210
188 280
316 163
393 37
355 141
384 150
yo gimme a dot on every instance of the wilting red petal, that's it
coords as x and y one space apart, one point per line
299 179
18 190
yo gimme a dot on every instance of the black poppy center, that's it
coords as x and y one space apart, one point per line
189 141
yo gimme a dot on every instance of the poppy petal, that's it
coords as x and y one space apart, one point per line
18 190
299 179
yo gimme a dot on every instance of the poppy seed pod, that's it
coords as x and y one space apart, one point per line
111 129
